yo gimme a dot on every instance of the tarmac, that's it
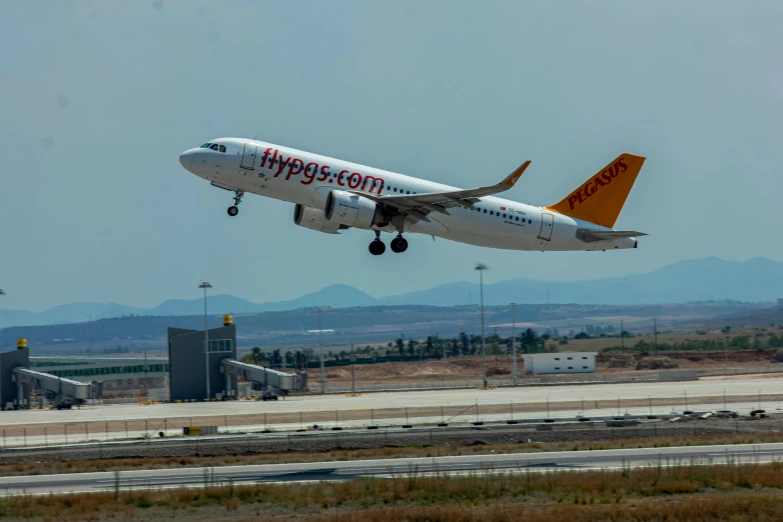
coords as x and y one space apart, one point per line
414 399
105 423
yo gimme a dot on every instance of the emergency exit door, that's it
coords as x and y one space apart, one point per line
248 156
547 224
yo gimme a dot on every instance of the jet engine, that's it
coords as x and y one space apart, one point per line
315 219
353 210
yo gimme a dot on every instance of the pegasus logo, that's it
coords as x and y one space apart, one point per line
600 180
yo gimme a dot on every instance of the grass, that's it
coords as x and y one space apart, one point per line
684 492
125 464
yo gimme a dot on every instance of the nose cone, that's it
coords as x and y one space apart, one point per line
186 159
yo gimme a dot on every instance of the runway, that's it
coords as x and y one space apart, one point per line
417 399
387 468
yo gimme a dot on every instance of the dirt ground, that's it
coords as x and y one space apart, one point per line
469 368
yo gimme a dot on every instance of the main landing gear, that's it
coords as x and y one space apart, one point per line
399 244
234 209
377 247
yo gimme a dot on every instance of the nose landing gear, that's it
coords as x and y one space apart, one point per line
234 209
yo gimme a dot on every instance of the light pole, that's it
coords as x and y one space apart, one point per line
321 349
622 337
655 334
481 267
206 285
353 371
90 348
726 350
514 339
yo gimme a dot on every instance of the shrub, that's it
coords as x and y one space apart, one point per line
621 361
657 363
498 371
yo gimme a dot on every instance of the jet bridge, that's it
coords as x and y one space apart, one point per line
17 381
65 391
266 379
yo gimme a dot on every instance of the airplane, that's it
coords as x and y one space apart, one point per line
332 195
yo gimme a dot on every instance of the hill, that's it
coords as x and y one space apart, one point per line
371 324
755 280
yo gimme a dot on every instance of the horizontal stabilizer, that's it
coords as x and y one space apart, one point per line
591 236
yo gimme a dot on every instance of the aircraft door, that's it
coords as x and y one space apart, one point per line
248 156
547 224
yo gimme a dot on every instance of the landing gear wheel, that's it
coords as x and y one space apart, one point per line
377 247
233 211
399 244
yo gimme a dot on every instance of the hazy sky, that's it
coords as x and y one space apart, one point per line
97 100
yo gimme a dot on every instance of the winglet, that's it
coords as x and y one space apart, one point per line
514 176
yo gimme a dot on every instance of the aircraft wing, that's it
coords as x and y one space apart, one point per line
590 236
417 206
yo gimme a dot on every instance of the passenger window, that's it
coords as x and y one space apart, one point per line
530 221
485 211
504 216
491 212
395 189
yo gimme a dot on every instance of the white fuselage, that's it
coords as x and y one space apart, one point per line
304 178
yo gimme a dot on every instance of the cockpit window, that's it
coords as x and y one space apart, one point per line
214 146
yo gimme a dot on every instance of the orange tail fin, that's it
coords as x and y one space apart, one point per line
600 199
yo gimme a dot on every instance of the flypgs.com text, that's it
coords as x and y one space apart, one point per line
293 166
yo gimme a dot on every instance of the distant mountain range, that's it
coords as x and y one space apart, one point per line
755 280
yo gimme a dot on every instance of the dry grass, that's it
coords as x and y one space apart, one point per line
709 508
686 492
